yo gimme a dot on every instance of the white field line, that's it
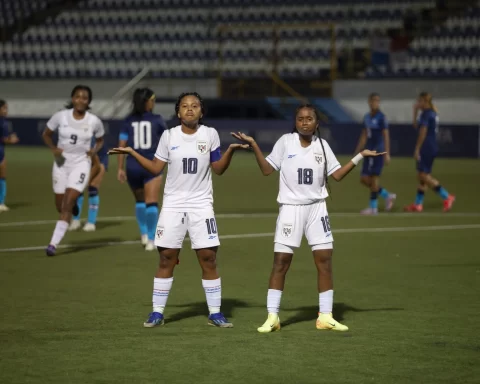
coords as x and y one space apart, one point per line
257 215
256 235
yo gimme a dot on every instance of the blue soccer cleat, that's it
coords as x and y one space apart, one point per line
154 319
51 250
218 320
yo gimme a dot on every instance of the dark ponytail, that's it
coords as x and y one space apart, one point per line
80 88
139 101
318 118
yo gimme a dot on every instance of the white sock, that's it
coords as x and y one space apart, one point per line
161 289
213 292
59 232
325 300
274 297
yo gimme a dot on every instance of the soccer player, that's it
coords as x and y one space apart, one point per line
305 161
5 138
426 150
99 168
375 137
142 131
191 151
71 169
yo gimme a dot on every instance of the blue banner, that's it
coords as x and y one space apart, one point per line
453 140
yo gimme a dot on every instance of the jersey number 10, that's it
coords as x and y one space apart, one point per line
142 135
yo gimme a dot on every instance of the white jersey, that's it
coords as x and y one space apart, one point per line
75 136
189 178
302 169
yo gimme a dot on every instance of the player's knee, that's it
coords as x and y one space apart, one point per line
323 260
281 265
168 257
365 180
207 259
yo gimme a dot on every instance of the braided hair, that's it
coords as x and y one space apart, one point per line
139 101
81 87
185 94
317 132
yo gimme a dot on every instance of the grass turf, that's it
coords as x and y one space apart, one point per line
410 297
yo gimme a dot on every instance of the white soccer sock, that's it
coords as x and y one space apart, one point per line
213 292
274 297
161 289
59 232
325 301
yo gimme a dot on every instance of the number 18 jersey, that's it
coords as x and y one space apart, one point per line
302 169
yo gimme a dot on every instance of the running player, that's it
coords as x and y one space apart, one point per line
142 131
5 138
99 168
305 161
191 150
71 169
375 137
426 150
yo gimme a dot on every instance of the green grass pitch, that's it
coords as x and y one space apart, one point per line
408 286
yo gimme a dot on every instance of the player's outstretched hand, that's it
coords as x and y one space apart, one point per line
243 137
13 138
368 153
239 146
120 151
121 176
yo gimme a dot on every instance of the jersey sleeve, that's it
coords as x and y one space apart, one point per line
98 129
215 153
162 149
54 121
123 135
276 156
332 163
423 120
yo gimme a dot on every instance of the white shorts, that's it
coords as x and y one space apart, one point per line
74 176
296 220
200 225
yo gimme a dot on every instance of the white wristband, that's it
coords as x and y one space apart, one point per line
357 159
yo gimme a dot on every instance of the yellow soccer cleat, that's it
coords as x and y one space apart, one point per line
272 324
326 321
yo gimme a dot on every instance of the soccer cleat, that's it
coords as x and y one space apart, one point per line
74 225
150 246
144 239
89 227
4 208
218 320
389 201
448 202
413 208
154 319
271 325
51 250
369 211
326 321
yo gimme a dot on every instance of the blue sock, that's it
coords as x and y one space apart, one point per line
383 193
442 192
140 212
419 198
373 200
152 218
93 204
80 205
3 190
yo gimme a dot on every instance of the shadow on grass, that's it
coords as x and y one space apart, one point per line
310 313
19 204
85 246
200 308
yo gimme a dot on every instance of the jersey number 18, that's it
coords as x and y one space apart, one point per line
142 135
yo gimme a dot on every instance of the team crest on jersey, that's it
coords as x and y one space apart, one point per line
318 158
287 230
202 147
159 233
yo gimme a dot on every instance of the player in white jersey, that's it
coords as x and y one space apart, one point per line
75 127
191 151
305 161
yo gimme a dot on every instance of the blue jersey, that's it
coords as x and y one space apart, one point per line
4 133
143 133
429 119
375 125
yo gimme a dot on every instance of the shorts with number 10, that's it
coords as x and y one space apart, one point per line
173 226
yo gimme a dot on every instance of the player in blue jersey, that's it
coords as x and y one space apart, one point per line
5 138
426 150
99 168
142 131
375 137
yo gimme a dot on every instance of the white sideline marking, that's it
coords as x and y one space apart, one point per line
258 215
256 235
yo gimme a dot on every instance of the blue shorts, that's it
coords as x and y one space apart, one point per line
2 155
372 166
425 164
137 176
104 160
